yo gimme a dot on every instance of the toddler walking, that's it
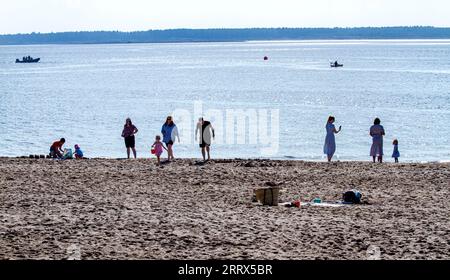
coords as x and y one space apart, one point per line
158 148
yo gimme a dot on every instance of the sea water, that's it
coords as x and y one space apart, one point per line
85 92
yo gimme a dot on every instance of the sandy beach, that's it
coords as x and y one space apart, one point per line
131 209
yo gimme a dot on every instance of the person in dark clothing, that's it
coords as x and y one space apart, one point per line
207 135
129 130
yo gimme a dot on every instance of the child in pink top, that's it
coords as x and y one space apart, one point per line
158 148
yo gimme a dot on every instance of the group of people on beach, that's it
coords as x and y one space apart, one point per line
377 133
56 150
170 135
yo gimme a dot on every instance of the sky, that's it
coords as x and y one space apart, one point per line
25 16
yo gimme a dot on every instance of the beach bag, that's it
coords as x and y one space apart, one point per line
352 197
268 196
68 154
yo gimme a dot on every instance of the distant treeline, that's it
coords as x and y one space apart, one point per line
226 35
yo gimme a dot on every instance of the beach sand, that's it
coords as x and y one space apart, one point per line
131 209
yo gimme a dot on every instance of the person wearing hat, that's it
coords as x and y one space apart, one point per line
78 152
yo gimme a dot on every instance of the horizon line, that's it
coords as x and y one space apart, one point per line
221 28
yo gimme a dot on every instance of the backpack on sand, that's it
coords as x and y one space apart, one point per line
352 197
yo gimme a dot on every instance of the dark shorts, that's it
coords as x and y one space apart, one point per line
206 142
204 145
169 143
130 142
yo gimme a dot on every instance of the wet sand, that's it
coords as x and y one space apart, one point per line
131 209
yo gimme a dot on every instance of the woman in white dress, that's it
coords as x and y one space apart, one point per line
377 132
330 142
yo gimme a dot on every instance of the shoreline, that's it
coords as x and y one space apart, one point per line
131 209
324 160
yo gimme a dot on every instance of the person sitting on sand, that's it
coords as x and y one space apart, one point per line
78 152
158 148
170 132
206 130
129 130
330 143
377 132
56 150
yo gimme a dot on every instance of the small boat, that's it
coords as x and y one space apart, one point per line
28 60
336 65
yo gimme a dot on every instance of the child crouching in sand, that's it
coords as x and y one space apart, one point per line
158 148
78 152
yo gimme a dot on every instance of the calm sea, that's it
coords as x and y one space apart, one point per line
85 92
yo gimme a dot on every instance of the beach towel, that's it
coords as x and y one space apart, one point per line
325 204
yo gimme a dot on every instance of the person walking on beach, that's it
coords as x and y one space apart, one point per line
330 142
206 131
129 130
377 132
170 133
158 148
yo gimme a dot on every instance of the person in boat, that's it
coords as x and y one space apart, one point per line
336 64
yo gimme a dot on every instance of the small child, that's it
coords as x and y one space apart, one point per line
158 148
396 153
78 152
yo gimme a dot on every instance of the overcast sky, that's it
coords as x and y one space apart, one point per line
23 16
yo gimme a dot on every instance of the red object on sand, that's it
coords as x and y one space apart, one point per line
297 203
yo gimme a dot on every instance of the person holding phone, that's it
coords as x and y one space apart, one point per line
330 142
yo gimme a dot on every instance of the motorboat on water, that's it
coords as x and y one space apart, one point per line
336 64
28 59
